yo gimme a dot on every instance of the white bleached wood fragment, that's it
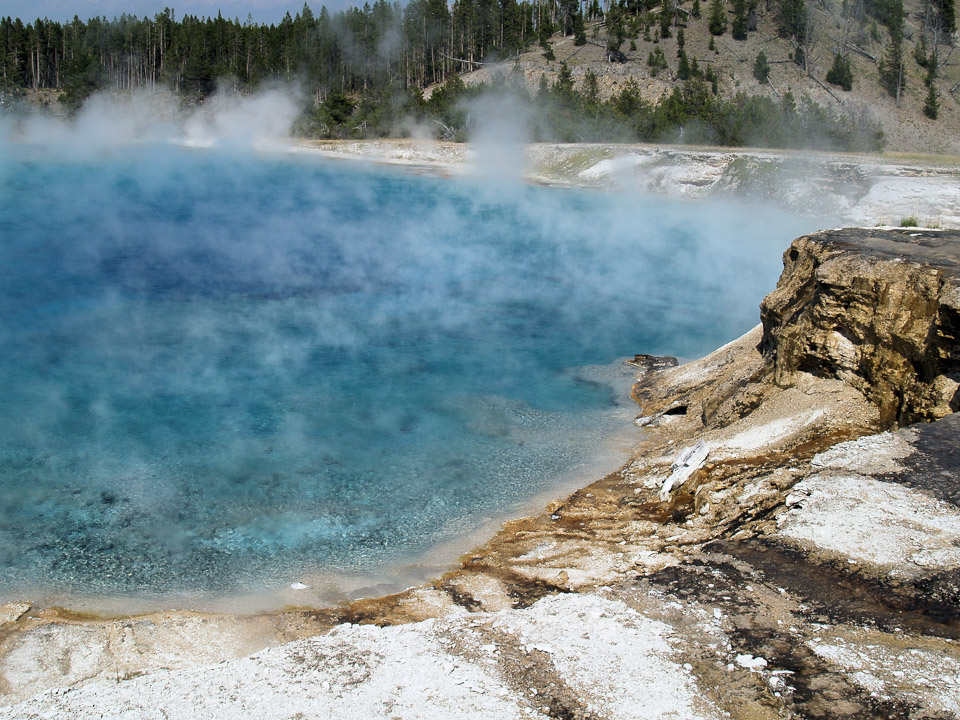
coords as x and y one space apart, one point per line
750 662
683 467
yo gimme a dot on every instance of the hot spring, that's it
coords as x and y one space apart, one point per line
224 372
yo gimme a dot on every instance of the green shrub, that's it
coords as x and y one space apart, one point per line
718 18
931 107
841 74
761 68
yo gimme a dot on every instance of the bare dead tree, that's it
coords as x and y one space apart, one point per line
926 18
935 26
947 58
900 80
807 43
846 28
829 91
860 51
462 60
858 18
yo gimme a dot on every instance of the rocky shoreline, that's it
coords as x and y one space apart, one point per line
785 543
855 189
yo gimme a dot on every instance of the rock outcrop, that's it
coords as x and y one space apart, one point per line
877 309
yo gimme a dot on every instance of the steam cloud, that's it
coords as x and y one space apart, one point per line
261 121
377 312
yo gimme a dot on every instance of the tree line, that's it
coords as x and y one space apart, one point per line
364 67
414 45
564 111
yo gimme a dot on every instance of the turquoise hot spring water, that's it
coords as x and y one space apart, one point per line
222 372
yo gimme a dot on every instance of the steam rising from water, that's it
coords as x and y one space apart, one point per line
500 131
223 370
260 121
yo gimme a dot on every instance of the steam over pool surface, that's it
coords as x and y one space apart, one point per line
220 371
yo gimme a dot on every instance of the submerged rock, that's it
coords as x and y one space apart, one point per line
646 363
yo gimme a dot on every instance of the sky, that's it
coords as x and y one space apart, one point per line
264 11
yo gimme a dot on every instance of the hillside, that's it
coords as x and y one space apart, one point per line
906 128
373 72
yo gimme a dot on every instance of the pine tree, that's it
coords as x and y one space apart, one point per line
947 9
920 52
569 9
338 108
656 61
841 73
892 15
931 107
695 10
85 76
739 28
545 31
891 66
616 34
761 68
791 20
683 69
711 77
591 89
718 18
564 84
681 41
579 31
666 19
931 70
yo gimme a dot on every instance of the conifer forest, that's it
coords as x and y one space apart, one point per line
364 68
